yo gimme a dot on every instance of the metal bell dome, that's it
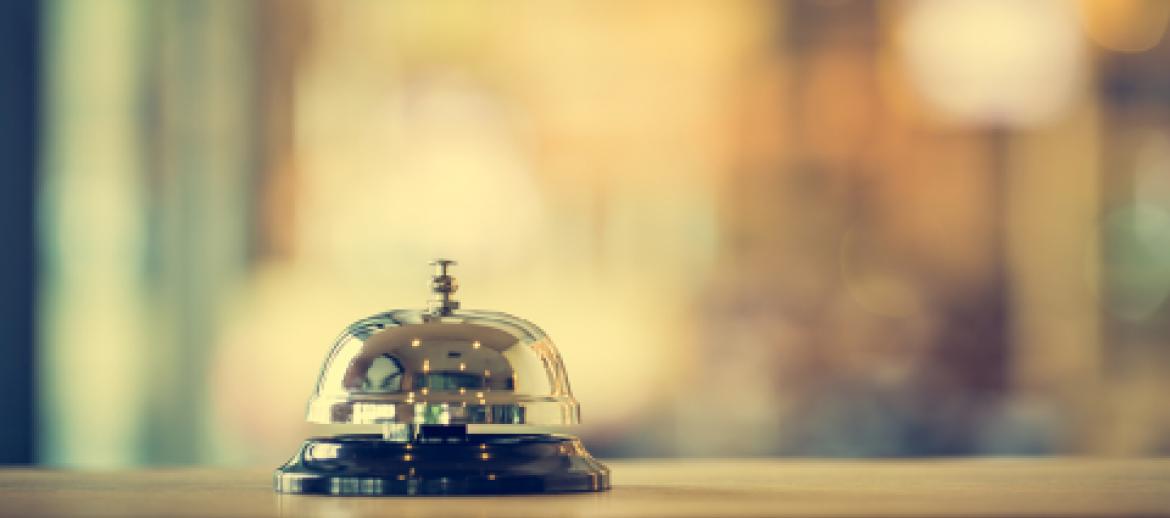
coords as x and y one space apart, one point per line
443 366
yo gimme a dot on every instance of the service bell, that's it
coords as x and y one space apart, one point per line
424 375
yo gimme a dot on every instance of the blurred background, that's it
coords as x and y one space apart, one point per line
754 228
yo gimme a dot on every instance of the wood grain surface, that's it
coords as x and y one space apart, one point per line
975 487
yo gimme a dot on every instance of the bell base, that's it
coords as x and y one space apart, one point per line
476 464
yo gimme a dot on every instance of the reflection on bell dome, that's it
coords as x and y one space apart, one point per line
452 367
447 363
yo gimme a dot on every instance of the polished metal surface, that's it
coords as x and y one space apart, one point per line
443 365
366 465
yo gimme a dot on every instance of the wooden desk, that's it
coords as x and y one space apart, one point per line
1054 487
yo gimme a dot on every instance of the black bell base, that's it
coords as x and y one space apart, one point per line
477 464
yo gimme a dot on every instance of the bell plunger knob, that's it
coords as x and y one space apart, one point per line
443 286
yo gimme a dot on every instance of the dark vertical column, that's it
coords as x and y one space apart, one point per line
19 77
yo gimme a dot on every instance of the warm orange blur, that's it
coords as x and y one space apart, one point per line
846 228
